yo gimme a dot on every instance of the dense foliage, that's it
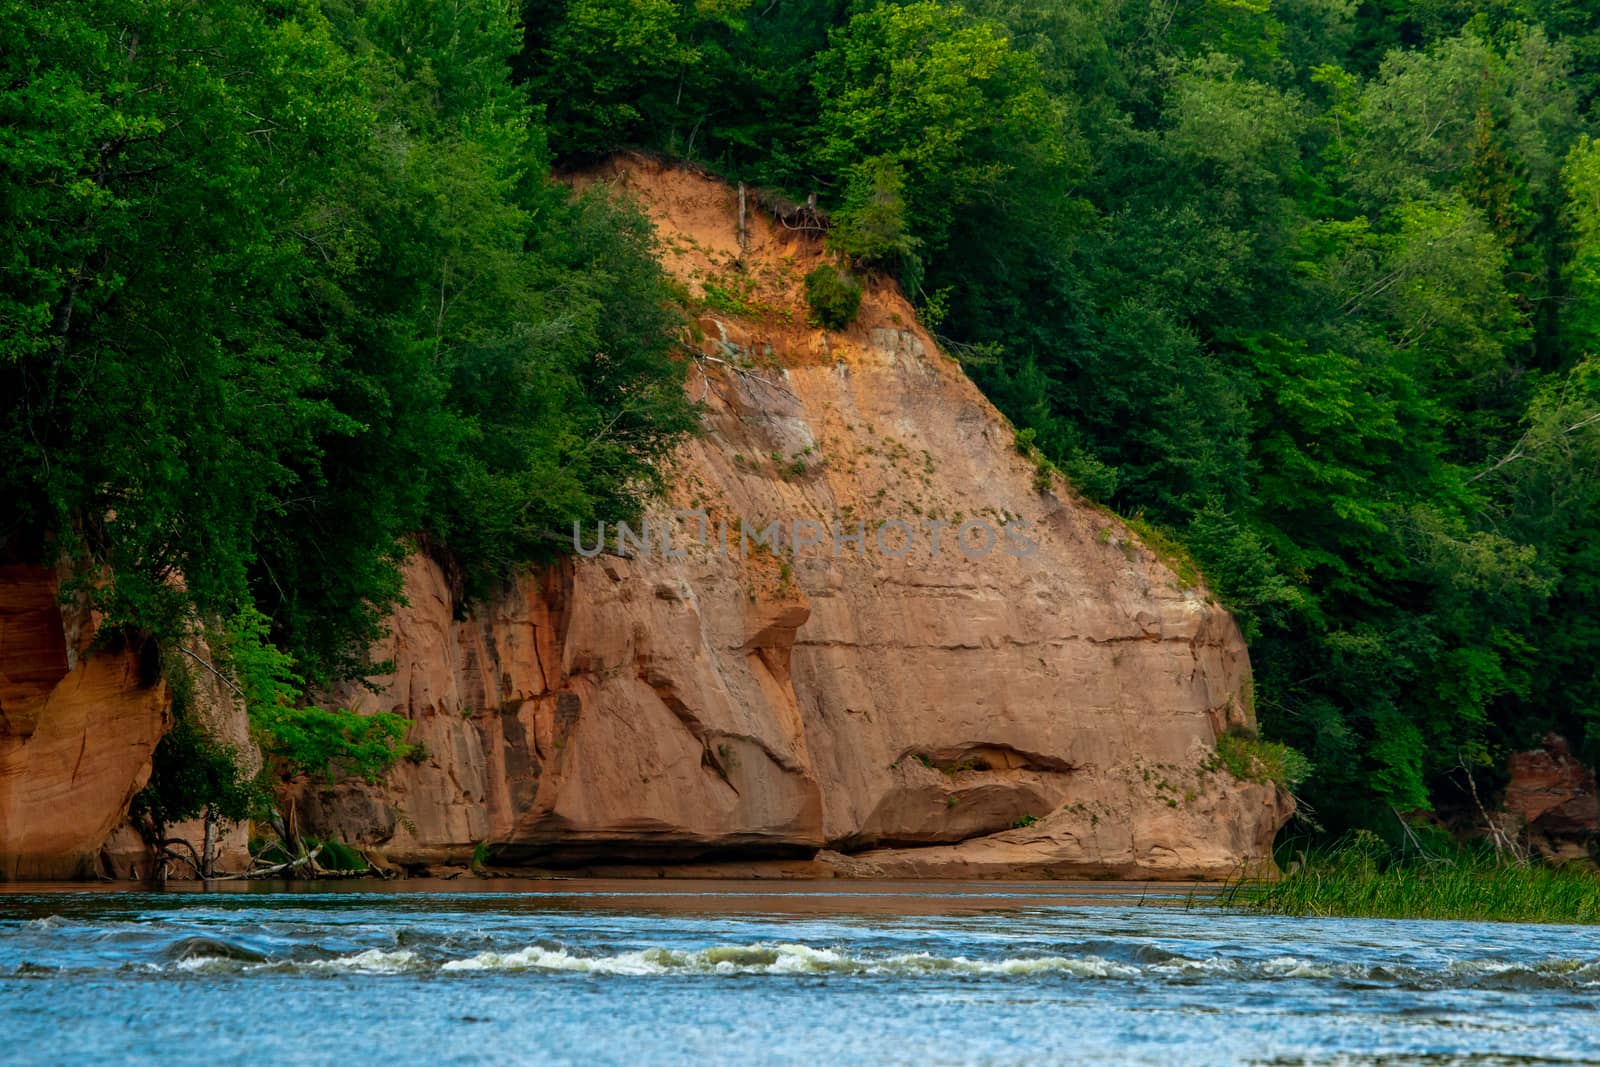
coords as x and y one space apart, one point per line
286 291
1312 285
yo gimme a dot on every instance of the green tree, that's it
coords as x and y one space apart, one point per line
926 113
289 292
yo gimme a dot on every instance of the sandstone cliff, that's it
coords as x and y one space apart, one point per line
927 715
80 715
76 730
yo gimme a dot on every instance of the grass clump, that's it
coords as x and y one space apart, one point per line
1167 548
1043 470
834 296
726 299
1254 760
336 855
1043 474
1360 878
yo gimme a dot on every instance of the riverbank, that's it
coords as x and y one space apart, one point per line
1353 882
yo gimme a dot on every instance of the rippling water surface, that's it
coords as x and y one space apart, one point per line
744 973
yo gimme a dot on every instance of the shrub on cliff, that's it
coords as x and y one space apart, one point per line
871 226
834 296
1251 759
194 774
299 737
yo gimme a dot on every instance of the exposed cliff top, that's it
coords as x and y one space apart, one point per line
745 283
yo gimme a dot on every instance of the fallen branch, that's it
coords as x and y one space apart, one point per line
1498 837
744 372
277 868
1427 857
744 240
323 874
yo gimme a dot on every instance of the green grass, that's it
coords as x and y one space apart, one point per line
1356 880
1254 760
336 855
731 298
1167 548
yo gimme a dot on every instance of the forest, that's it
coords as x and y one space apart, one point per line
1310 289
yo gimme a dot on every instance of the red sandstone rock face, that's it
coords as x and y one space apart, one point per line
927 715
1554 796
76 732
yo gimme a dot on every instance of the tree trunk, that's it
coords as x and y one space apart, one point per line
158 867
208 849
743 241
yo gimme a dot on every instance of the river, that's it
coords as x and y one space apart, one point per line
704 973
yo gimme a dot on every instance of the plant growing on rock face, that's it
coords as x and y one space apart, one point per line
303 738
1167 548
834 296
1043 470
1253 760
1043 475
192 774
